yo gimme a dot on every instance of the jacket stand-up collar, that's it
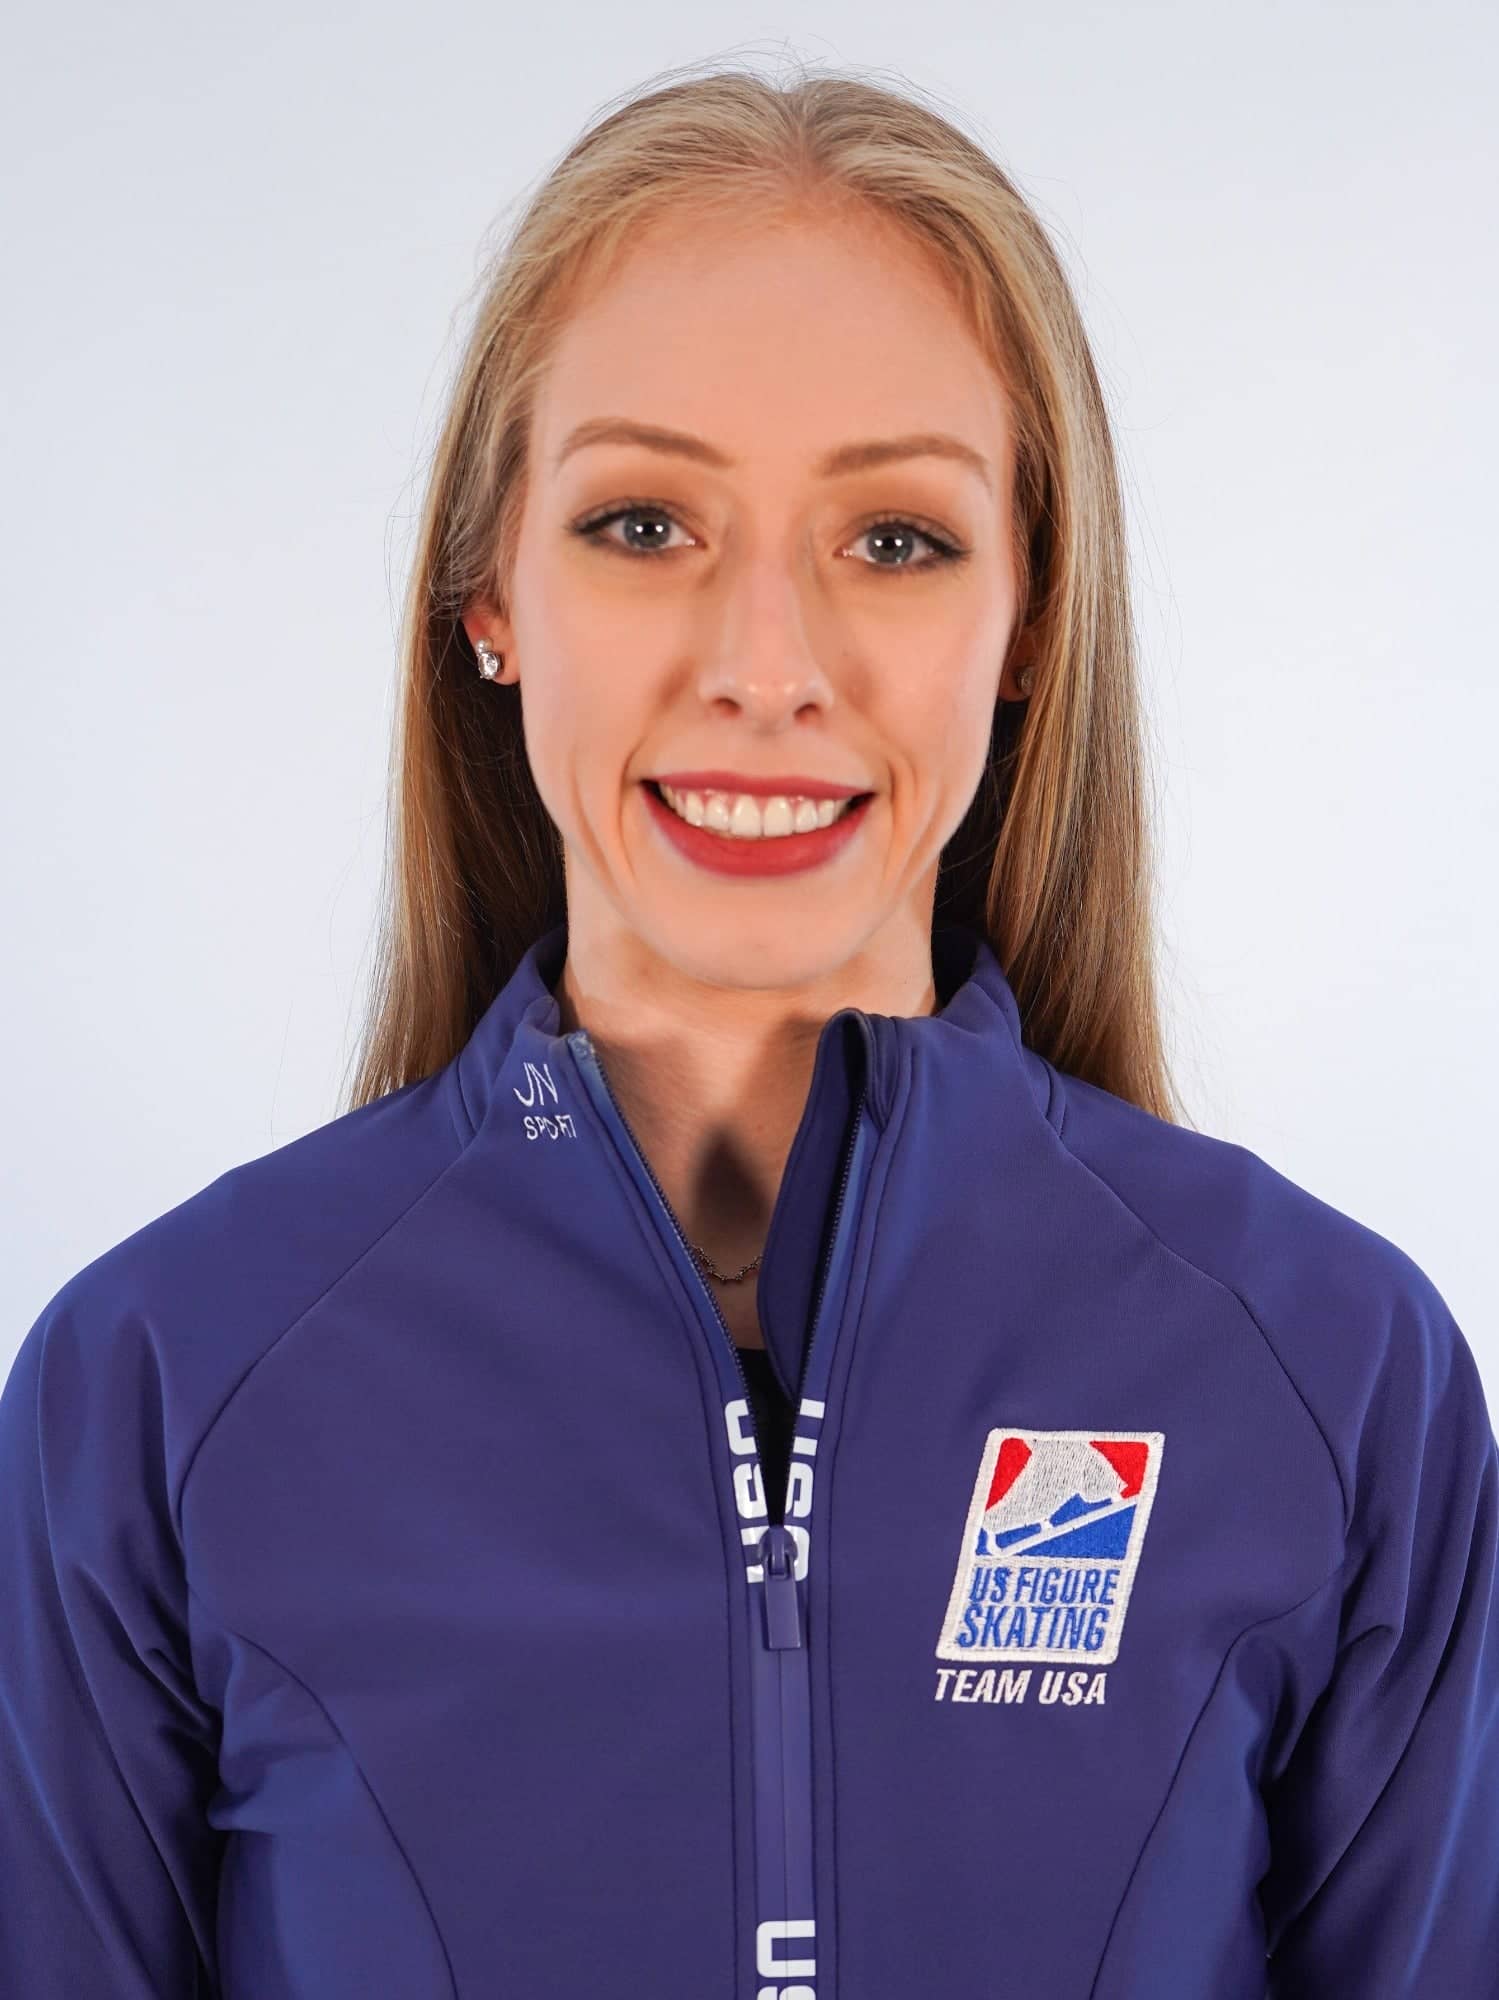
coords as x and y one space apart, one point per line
518 1049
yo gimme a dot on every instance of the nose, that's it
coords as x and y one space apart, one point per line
767 693
763 664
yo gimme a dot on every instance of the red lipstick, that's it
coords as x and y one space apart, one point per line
775 854
781 785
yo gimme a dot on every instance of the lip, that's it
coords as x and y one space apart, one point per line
782 854
782 785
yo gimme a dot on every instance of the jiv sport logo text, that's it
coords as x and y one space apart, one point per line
1056 1523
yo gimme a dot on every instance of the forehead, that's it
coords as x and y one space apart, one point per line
775 340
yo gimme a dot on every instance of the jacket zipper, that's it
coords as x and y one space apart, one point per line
785 1963
592 1072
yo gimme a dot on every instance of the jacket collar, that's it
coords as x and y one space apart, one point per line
971 1042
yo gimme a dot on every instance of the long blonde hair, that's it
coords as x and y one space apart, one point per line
1051 861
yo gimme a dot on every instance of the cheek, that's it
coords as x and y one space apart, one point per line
583 731
939 723
584 703
572 669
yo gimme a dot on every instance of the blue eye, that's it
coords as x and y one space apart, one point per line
593 529
946 551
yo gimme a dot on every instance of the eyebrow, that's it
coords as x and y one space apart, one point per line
842 459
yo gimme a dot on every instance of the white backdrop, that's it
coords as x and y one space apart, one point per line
240 246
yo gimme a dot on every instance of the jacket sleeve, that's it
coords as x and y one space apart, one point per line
108 1867
1384 1820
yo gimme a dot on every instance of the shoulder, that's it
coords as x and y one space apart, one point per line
1361 1330
157 1331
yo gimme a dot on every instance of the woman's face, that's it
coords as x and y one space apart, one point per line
775 605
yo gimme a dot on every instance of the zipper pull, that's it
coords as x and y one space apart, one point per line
783 1622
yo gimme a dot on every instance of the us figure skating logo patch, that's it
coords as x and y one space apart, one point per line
1051 1544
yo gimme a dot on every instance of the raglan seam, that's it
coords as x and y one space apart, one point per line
1274 1618
83 1688
80 1679
1233 1292
354 1763
465 1124
178 1500
1290 1923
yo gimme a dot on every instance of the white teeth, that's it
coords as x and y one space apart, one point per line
744 817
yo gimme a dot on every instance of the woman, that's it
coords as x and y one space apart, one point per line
413 1586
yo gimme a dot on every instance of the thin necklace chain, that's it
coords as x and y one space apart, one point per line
725 1277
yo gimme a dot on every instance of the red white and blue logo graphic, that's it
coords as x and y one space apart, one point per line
1050 1546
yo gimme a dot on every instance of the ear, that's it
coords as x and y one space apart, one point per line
1021 655
482 619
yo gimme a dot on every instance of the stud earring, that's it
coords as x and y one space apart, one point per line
490 661
1026 678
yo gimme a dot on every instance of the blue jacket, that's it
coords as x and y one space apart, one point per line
392 1608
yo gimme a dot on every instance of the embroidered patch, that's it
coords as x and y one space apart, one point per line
1051 1544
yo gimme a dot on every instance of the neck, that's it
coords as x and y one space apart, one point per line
713 1078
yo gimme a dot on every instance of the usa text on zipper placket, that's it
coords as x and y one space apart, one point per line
785 1930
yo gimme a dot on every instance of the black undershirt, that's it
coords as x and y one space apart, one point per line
775 1415
775 1420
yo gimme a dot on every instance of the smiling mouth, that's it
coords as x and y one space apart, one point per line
745 816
